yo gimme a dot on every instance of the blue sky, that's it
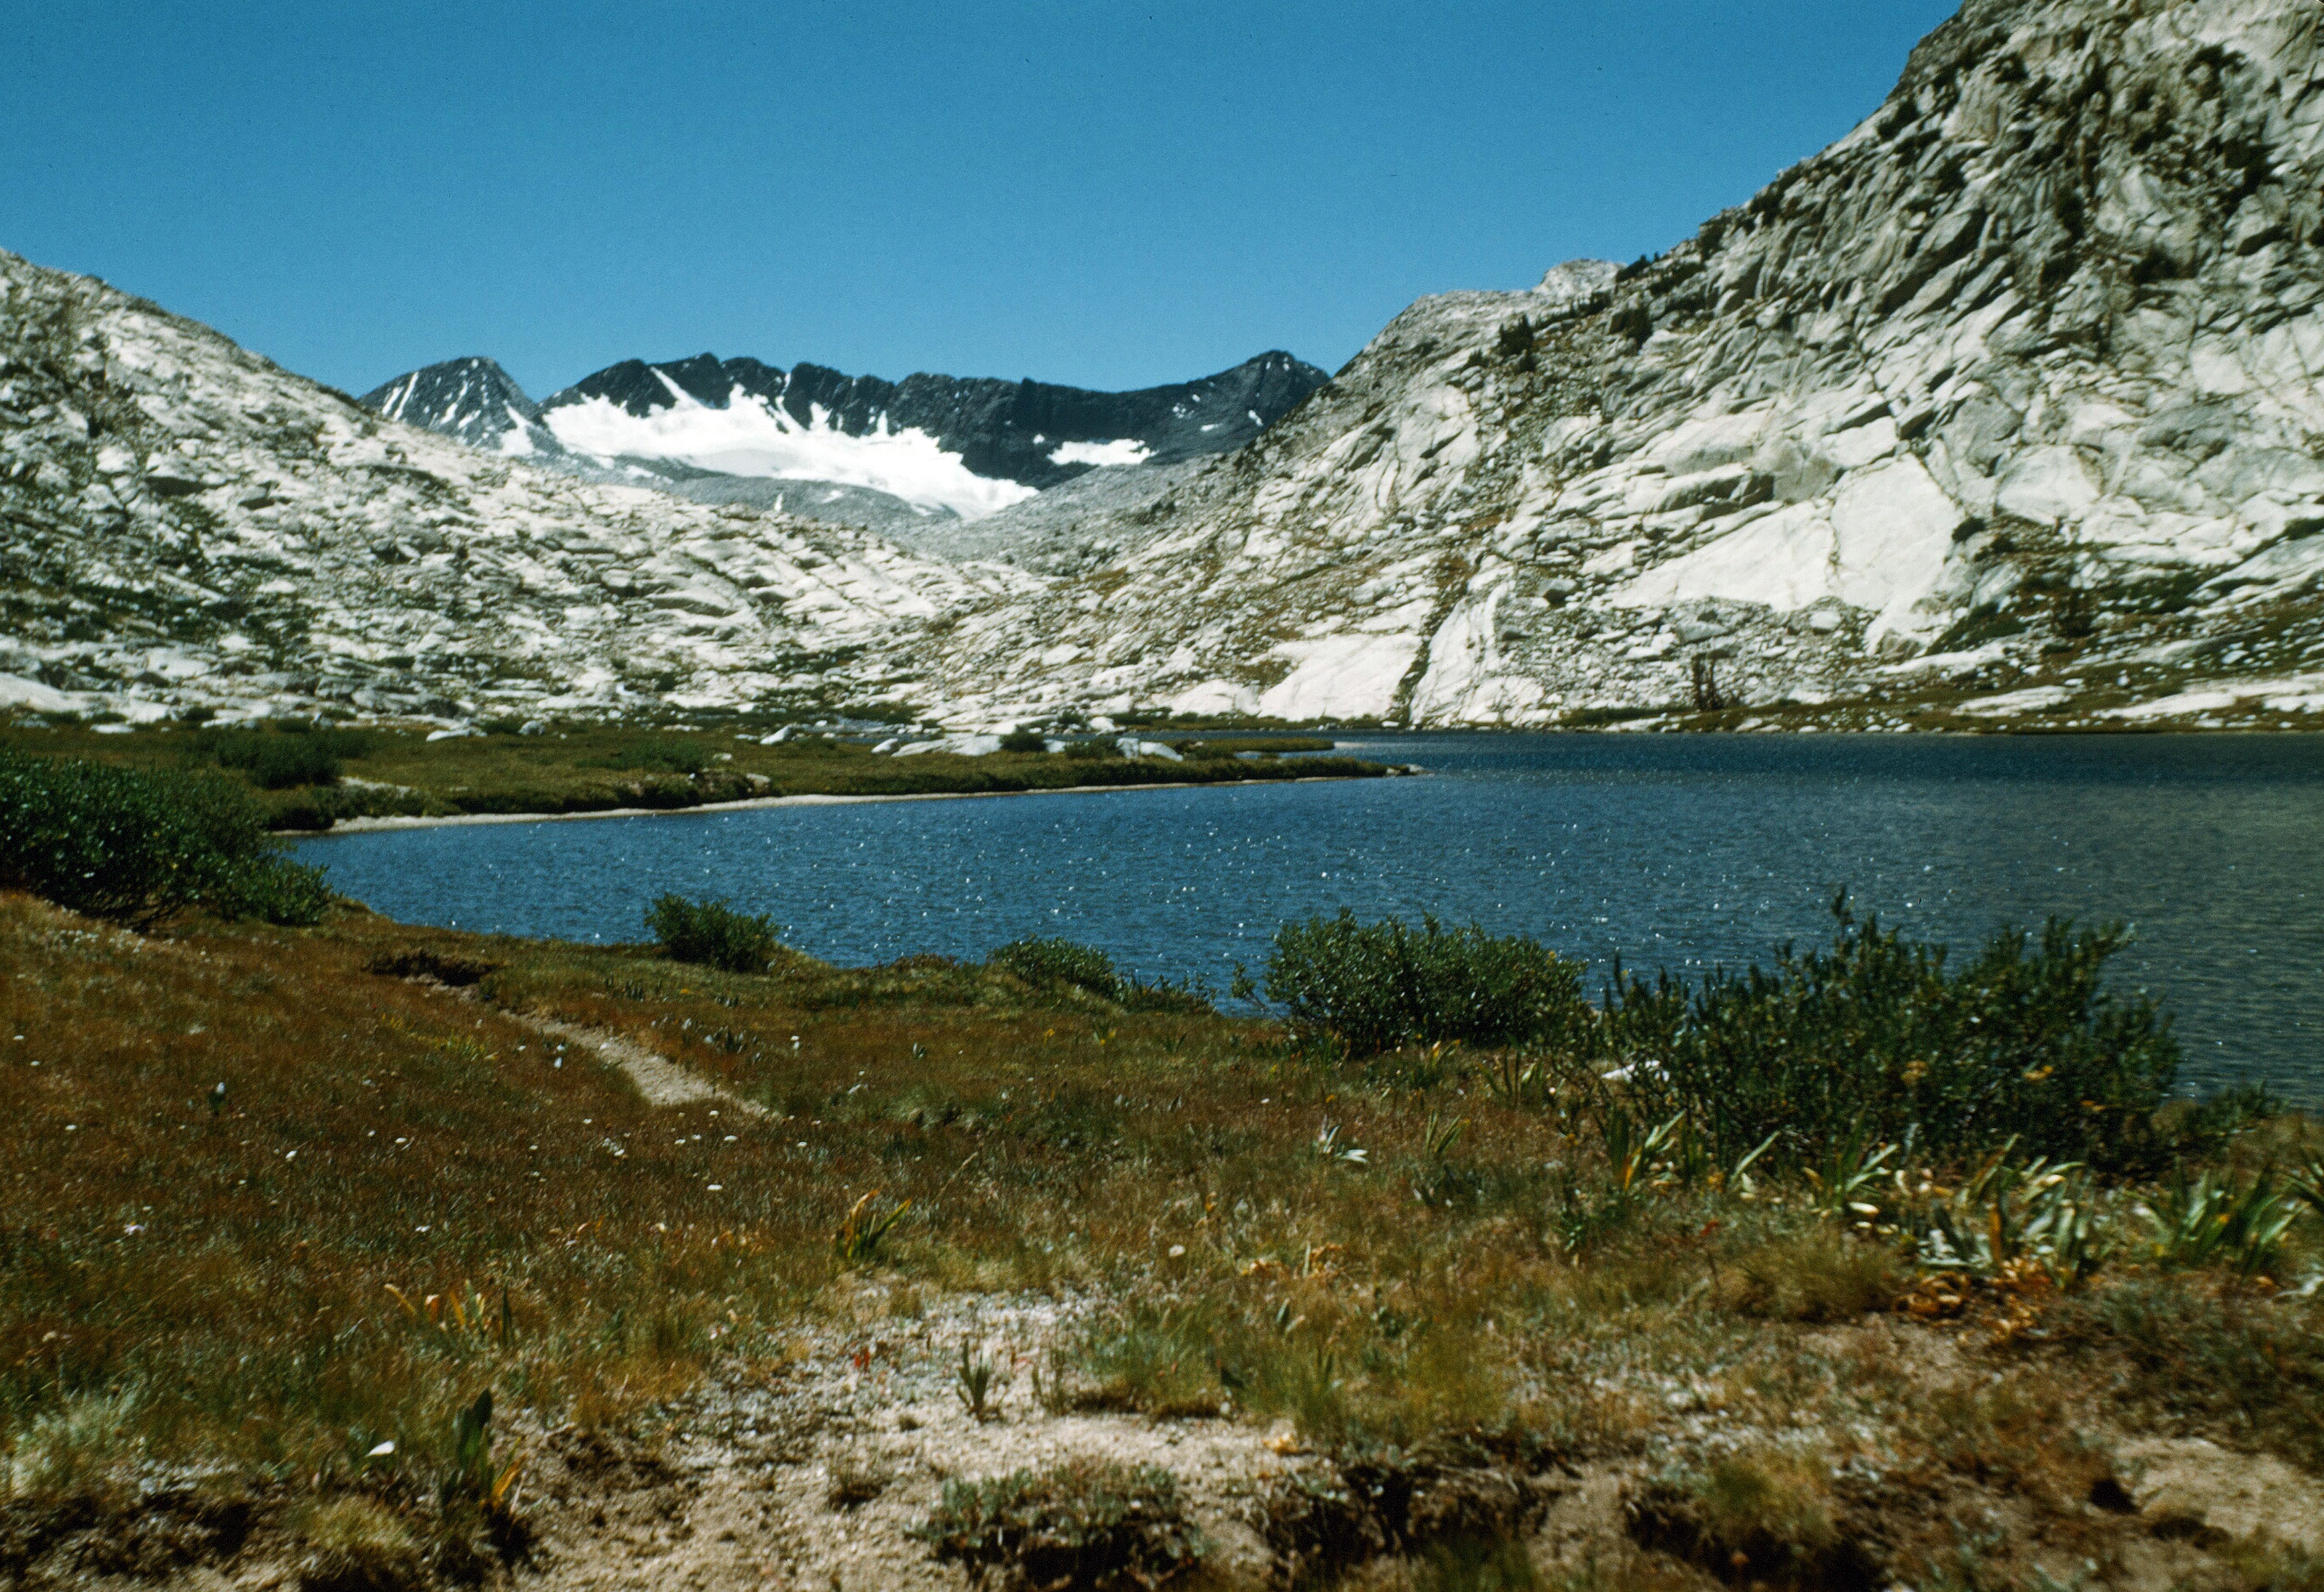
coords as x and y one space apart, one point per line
1105 195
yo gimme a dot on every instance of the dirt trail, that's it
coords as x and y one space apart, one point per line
663 1082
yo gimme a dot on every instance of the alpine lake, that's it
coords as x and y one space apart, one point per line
1679 851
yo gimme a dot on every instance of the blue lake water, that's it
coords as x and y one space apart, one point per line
1678 850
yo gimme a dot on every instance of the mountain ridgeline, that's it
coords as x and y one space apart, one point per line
2006 410
1013 430
702 426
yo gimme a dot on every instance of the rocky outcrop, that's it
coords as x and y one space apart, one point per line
182 524
2005 409
2012 393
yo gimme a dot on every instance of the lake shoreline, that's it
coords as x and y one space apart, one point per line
374 824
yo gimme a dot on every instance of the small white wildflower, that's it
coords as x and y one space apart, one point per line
382 1451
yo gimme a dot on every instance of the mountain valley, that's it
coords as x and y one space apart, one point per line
2002 412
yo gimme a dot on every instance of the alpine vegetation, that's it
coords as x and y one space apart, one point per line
941 1267
138 848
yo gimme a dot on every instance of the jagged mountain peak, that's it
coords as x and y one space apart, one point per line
930 444
2007 405
470 399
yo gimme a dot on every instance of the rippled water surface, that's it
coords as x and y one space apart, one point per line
1682 850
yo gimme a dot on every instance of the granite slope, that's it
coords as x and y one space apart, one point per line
2010 396
183 524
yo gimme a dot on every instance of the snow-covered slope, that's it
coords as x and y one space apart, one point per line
2012 394
746 433
182 523
932 447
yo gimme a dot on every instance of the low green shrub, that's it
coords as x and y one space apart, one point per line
1876 1039
712 933
1378 985
664 753
286 756
137 846
1025 741
1047 963
1086 1523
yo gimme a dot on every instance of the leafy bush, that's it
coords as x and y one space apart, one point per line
289 755
1046 963
137 846
712 933
1382 985
1025 741
1087 1522
1873 1036
665 754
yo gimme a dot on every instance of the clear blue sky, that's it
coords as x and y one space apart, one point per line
1101 194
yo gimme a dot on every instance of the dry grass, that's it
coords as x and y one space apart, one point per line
1818 1276
409 1196
356 1544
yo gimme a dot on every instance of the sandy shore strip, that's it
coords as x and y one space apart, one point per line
358 825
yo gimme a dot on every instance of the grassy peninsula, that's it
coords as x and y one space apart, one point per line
340 1254
308 773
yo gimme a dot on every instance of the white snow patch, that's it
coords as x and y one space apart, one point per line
751 436
1123 450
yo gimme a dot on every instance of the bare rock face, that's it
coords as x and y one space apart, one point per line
2006 409
183 524
2012 394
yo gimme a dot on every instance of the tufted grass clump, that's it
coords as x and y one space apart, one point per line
358 1545
137 846
676 755
1055 966
1760 1515
1086 1523
712 934
286 756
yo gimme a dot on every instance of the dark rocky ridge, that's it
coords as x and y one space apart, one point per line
471 399
1002 429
